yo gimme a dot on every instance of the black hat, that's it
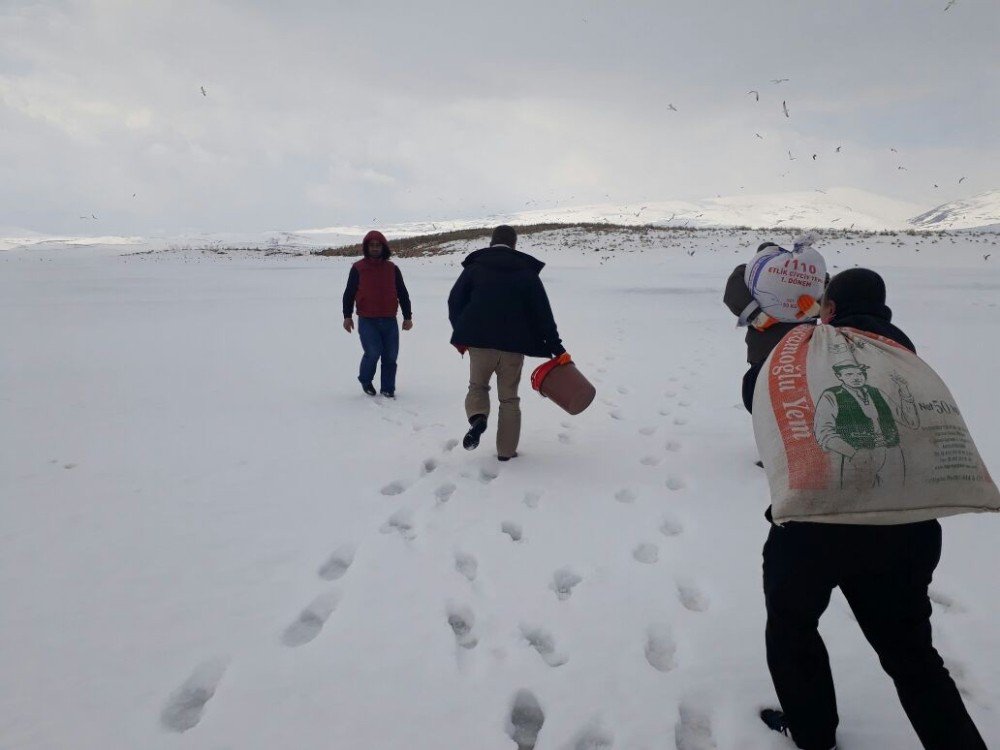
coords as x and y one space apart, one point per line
858 291
504 235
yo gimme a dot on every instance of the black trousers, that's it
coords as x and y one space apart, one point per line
749 383
884 572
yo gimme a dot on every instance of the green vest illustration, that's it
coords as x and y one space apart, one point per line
855 427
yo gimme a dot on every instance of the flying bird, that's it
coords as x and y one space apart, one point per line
903 169
790 157
838 149
893 150
960 181
784 106
950 3
756 94
814 157
780 80
203 92
935 185
987 256
759 136
671 107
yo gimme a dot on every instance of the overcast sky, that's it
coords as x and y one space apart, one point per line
334 112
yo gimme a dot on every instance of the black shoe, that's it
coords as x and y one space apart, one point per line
507 458
471 439
389 394
775 720
759 464
368 388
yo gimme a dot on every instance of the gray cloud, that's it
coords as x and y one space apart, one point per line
324 113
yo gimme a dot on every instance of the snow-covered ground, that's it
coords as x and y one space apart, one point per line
212 539
846 209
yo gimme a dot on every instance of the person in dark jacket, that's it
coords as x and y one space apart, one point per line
883 572
763 331
376 285
500 313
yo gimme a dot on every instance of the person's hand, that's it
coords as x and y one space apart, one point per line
762 321
407 325
902 385
348 324
808 307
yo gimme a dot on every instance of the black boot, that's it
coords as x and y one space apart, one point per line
368 388
775 720
471 439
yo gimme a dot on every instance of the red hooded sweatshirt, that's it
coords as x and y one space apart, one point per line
376 285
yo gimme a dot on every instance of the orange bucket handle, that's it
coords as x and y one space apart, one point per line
545 368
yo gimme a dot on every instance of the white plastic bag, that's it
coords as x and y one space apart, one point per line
854 428
779 278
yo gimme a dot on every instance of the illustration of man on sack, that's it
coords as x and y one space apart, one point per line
861 424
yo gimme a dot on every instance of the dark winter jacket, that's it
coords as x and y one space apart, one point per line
738 299
376 285
499 302
877 320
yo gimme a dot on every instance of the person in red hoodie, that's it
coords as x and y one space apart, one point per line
376 285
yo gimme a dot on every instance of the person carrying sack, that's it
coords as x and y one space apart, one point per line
765 330
499 313
833 420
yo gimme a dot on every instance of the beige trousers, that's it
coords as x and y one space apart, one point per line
483 364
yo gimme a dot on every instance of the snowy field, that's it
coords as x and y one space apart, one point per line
212 539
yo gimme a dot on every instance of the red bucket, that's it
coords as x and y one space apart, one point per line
559 380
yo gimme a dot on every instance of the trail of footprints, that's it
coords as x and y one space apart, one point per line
526 717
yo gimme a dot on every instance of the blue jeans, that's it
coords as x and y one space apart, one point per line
380 340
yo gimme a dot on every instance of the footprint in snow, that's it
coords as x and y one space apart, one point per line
671 527
675 483
616 414
673 445
467 565
310 620
563 582
567 425
461 622
670 393
593 737
565 438
646 553
445 491
945 602
664 412
400 522
692 598
532 498
70 466
623 390
543 642
647 431
428 466
186 705
650 460
338 563
513 530
694 729
661 650
625 495
393 488
449 445
684 402
525 720
488 475
680 421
